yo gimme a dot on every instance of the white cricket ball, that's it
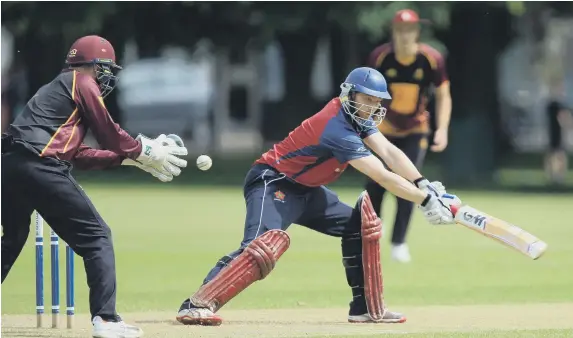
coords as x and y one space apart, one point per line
204 162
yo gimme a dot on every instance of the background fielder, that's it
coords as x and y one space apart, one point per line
411 69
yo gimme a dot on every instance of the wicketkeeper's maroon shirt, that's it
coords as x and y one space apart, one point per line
56 120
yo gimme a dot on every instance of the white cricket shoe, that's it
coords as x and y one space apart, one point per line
198 316
401 253
103 329
389 317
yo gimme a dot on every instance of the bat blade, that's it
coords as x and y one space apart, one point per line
504 232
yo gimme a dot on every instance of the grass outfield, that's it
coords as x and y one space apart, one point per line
168 237
485 334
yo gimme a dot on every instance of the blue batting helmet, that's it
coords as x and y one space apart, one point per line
367 81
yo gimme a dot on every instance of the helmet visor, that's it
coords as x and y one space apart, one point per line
106 78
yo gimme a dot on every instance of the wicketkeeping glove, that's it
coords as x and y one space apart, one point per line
177 139
173 164
161 153
161 174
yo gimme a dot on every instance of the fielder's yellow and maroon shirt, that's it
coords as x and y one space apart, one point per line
409 82
55 121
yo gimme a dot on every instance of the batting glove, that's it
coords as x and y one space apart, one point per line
429 188
436 211
439 190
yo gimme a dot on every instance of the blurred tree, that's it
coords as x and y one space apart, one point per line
299 25
375 19
371 22
43 32
48 30
478 33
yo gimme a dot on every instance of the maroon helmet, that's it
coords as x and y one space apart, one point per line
97 51
408 16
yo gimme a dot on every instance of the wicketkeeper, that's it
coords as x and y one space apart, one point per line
38 152
287 185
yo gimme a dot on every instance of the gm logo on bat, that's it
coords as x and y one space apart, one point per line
477 220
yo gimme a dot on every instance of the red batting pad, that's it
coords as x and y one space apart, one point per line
255 262
371 234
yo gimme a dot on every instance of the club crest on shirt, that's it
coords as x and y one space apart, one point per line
279 196
391 72
418 74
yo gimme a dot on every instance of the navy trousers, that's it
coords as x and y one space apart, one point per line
31 182
275 202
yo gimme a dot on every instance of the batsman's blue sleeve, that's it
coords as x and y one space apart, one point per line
368 131
344 143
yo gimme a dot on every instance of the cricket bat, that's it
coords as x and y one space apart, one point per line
500 230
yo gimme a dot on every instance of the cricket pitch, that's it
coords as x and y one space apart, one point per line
279 323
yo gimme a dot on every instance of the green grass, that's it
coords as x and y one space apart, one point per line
484 334
168 237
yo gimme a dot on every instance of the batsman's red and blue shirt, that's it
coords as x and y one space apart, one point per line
318 151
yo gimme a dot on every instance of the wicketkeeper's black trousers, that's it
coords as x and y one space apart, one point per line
31 182
414 146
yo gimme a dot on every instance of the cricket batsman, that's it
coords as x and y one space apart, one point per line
412 70
287 185
39 150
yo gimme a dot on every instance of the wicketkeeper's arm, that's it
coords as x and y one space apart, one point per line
393 157
108 133
87 158
373 168
96 159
